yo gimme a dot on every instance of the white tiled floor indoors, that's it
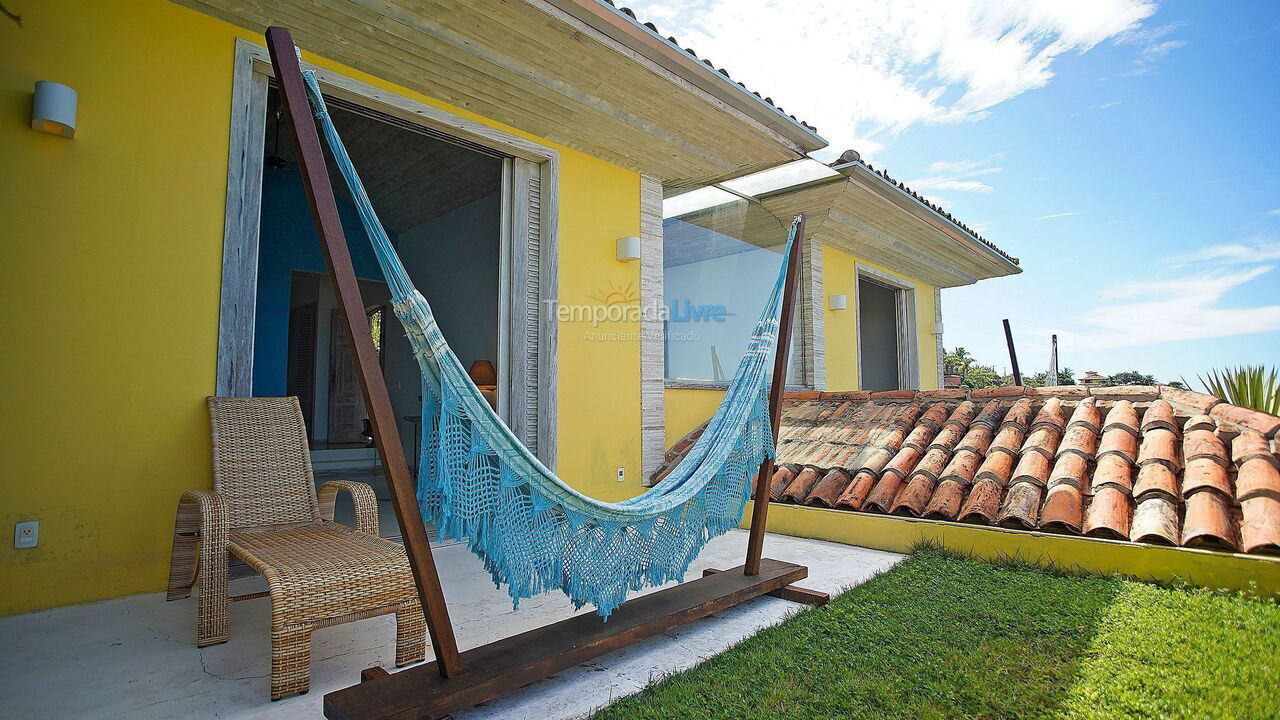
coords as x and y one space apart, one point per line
135 657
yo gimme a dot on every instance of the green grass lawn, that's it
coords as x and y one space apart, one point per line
940 636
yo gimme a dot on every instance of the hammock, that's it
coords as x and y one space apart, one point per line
534 533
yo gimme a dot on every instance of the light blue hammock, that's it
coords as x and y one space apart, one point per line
480 485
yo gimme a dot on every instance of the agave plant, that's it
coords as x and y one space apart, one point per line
1251 386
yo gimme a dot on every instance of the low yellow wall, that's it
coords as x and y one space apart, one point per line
112 260
1231 571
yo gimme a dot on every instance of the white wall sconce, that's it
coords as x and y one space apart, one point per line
839 302
54 109
628 248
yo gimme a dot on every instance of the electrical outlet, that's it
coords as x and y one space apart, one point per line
622 474
26 534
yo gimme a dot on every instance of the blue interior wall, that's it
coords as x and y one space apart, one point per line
287 242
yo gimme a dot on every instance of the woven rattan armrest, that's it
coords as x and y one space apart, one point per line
200 549
362 498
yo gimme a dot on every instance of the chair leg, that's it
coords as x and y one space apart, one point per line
290 660
411 633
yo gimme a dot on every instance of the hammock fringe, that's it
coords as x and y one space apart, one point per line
534 533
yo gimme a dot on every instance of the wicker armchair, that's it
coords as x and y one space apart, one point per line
264 508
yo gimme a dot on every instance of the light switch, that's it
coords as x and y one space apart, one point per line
26 534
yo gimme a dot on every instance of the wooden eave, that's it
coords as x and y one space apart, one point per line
611 21
866 216
535 67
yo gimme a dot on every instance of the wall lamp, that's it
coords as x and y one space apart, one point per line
54 109
839 302
628 248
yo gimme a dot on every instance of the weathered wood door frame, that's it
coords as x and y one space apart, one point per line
528 277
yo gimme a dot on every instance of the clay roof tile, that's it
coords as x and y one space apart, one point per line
1159 414
1021 506
1087 414
945 503
1109 514
1158 479
1063 510
1209 523
1205 474
1200 422
1160 445
1155 521
1260 526
829 488
856 493
1122 415
983 502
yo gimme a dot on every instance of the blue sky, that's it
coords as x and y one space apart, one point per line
1127 151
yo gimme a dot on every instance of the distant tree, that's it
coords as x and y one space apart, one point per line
982 376
957 361
1177 384
1131 377
1066 376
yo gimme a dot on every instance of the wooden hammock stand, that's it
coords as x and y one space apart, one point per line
456 681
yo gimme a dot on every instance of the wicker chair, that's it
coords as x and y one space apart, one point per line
264 508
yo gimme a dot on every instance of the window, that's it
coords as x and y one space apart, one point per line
721 256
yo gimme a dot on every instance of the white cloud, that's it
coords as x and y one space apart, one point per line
864 72
1056 215
1158 311
957 175
1256 251
1274 213
1153 46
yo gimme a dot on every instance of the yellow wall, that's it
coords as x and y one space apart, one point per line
111 269
1231 571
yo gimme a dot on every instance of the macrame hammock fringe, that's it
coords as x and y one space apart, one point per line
480 485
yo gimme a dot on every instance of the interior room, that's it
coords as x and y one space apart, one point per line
440 200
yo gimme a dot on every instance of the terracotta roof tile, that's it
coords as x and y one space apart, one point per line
799 488
983 502
1200 422
1210 522
1138 464
856 494
1021 506
1124 416
829 488
1063 510
1205 474
1081 440
1160 445
1158 479
1119 441
1109 514
1062 392
1159 414
945 503
1192 403
1200 443
1257 477
1267 425
1133 393
998 392
1155 521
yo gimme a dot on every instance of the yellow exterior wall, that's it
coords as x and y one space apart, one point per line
111 268
1230 571
839 277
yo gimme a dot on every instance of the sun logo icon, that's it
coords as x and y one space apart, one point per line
616 295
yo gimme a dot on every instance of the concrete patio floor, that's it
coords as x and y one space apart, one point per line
135 657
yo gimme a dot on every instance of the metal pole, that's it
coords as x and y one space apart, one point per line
1013 355
324 211
1053 360
760 510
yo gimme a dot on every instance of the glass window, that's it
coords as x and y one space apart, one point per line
721 255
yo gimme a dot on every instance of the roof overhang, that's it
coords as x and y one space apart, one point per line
873 219
549 69
629 31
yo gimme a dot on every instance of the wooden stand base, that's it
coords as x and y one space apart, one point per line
503 666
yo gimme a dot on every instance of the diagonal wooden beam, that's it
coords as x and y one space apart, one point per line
760 509
324 211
